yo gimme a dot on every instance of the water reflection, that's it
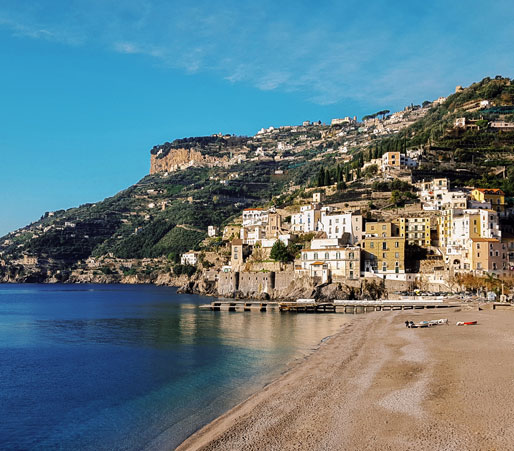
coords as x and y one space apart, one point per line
124 367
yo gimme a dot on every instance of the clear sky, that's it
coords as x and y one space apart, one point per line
89 86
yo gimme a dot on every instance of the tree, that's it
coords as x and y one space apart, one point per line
321 177
347 174
326 179
370 171
282 253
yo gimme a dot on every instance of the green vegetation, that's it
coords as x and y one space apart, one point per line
282 253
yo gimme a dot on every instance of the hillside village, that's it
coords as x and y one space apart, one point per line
388 204
426 245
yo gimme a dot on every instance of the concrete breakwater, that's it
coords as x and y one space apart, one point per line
337 306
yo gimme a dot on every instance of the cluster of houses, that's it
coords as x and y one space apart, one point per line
456 231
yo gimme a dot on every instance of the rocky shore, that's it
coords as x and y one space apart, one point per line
380 386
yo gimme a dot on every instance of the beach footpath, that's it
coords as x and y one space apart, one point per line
378 385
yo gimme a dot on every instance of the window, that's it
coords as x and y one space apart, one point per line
372 244
338 255
315 255
383 255
305 256
351 255
396 255
351 265
383 227
326 256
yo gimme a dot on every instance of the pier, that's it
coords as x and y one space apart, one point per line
337 306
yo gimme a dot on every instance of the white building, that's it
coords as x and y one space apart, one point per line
189 258
269 242
252 234
306 220
345 120
254 216
326 262
436 195
454 199
335 225
465 226
212 231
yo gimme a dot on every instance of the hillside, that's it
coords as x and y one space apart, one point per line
202 181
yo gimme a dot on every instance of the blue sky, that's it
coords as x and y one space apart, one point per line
89 86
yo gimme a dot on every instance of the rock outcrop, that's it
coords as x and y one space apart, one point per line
178 159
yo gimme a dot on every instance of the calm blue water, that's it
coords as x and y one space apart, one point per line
132 367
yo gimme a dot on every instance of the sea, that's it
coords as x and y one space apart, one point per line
131 367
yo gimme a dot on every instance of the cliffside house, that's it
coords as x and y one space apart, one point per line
212 231
397 160
189 258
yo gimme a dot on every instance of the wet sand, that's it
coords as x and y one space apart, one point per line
377 385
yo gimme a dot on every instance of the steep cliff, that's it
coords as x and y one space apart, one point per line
178 159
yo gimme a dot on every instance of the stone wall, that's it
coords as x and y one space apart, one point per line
256 283
228 283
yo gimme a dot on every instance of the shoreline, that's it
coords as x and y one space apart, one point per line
378 385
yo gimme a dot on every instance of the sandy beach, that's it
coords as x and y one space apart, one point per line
377 385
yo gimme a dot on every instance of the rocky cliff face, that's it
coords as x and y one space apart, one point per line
178 159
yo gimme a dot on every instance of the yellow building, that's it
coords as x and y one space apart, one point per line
414 230
383 229
445 227
495 196
384 255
